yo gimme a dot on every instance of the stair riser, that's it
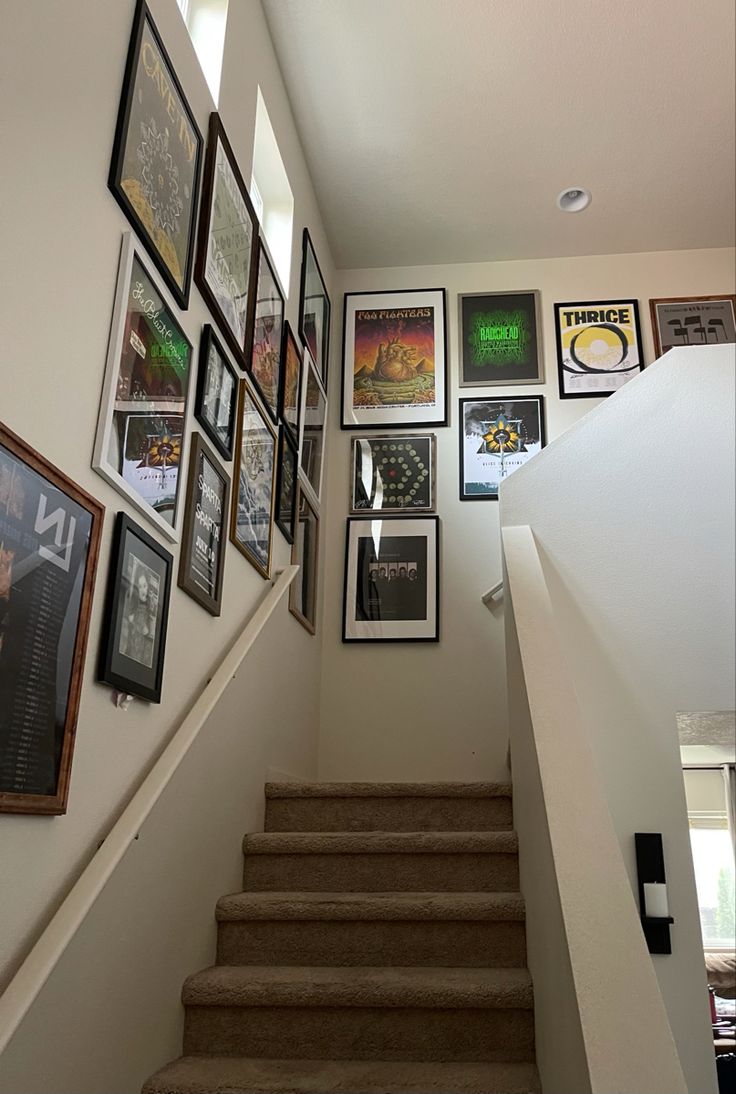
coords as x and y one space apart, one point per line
357 1033
368 873
452 943
387 814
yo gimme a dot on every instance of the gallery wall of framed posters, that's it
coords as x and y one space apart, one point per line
598 346
156 159
49 545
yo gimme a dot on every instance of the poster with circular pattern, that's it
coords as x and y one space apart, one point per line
393 473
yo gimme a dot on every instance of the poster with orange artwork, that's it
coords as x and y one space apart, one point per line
394 370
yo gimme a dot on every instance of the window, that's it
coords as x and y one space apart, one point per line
713 856
206 21
271 193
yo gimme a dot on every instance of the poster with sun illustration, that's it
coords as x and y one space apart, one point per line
394 359
498 436
598 347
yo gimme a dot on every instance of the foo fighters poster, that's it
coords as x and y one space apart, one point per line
598 347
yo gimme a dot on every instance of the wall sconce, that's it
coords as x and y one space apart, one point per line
653 904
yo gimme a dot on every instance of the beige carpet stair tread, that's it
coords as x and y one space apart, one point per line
388 790
320 986
374 843
370 906
235 1075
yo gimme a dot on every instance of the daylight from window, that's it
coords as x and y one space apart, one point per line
206 21
271 194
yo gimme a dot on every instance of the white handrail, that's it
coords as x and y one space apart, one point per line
487 598
40 962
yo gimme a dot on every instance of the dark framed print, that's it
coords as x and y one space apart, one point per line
202 557
392 587
692 321
267 325
49 546
156 158
139 447
500 336
286 484
216 402
497 437
305 554
394 366
313 416
254 493
391 473
314 309
136 613
227 247
291 381
598 347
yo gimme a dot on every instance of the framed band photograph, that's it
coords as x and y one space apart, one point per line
140 442
204 539
692 321
394 367
305 554
313 416
393 473
157 155
227 246
254 490
286 484
136 613
497 437
392 583
314 309
49 546
267 343
598 347
216 401
291 381
500 339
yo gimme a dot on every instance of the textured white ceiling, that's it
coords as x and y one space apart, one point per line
442 130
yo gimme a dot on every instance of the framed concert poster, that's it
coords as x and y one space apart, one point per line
156 158
139 447
136 613
305 554
291 380
500 339
692 321
313 415
314 309
202 557
497 437
49 546
598 347
227 246
394 367
286 484
267 325
216 401
254 493
392 590
393 473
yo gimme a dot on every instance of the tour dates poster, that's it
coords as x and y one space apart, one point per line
598 347
499 339
497 437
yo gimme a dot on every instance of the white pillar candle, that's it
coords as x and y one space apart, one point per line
655 899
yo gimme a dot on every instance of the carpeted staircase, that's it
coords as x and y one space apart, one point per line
378 948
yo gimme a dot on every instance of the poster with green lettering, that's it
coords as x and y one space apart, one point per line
156 156
500 339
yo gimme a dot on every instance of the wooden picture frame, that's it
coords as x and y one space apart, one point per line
314 309
686 314
291 383
254 482
49 548
156 158
204 538
305 555
267 325
216 399
393 473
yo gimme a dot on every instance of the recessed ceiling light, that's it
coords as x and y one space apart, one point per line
574 199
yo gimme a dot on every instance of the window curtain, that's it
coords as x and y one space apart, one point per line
729 778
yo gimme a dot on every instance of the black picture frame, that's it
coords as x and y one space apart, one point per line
512 440
500 338
156 194
292 368
313 294
216 404
232 311
287 476
254 482
49 548
380 602
313 419
128 661
305 555
613 331
267 329
204 539
413 456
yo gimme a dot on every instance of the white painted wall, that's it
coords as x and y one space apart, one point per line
439 712
60 232
632 511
